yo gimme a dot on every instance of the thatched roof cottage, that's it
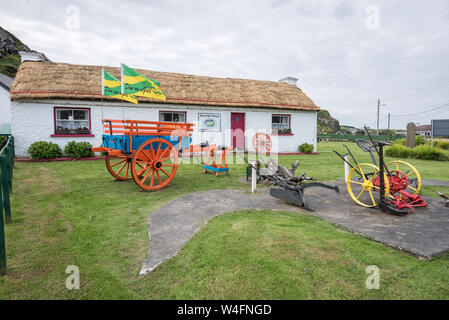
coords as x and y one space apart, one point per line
61 102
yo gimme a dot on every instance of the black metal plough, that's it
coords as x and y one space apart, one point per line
290 188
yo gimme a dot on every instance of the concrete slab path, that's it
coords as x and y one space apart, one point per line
424 233
173 224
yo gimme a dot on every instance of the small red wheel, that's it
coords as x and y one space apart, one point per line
118 167
154 164
262 142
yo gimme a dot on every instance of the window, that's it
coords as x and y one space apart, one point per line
72 121
280 123
168 116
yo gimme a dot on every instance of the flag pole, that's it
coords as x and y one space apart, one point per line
122 80
102 82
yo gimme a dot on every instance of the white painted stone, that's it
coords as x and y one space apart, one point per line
5 115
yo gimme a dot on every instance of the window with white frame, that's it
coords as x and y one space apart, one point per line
72 121
280 123
172 116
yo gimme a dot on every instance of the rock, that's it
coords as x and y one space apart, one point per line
326 123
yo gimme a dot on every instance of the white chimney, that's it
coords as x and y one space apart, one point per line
32 56
290 80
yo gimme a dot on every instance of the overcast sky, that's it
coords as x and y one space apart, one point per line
346 53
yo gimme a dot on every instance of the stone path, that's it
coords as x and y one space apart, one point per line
438 183
173 224
424 233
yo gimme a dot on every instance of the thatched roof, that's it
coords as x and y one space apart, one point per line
49 80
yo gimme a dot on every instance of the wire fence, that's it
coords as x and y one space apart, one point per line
6 175
350 137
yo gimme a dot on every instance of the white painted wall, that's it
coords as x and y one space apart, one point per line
33 120
5 115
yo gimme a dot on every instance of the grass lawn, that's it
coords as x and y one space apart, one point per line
74 213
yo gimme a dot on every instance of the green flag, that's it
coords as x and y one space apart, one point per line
135 83
111 87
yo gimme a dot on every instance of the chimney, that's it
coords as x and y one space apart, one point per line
32 56
290 80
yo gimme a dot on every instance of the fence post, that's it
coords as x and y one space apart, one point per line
6 185
253 177
346 168
2 238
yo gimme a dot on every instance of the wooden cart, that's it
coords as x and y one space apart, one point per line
146 151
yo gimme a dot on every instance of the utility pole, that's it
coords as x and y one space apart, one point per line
378 110
388 123
378 113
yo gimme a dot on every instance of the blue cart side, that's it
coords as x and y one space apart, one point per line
122 143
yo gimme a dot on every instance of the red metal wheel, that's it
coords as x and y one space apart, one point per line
154 164
262 142
119 167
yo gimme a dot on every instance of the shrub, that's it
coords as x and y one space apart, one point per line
418 141
441 144
426 152
399 151
306 148
44 150
75 149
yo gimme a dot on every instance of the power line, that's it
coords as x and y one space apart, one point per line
438 108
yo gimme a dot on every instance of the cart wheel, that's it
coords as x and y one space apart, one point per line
119 167
262 142
154 164
403 169
364 184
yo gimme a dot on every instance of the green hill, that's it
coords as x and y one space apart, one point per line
10 46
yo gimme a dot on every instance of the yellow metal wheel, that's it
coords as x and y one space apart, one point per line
404 168
363 185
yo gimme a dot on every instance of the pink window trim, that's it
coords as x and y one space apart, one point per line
81 135
284 115
71 135
283 134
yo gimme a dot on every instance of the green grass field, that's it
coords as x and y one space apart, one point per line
74 213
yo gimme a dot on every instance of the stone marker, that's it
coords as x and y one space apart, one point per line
411 135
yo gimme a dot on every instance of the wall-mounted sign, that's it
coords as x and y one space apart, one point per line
210 122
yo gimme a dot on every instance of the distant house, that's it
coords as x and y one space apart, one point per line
424 131
5 114
62 102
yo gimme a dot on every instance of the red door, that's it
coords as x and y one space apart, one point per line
238 130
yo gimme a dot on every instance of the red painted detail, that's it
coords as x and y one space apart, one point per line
297 153
180 99
70 135
57 159
238 130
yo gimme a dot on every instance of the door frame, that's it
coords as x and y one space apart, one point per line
244 128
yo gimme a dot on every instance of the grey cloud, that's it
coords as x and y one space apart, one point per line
340 63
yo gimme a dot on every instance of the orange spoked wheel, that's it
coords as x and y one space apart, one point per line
119 167
262 142
154 164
